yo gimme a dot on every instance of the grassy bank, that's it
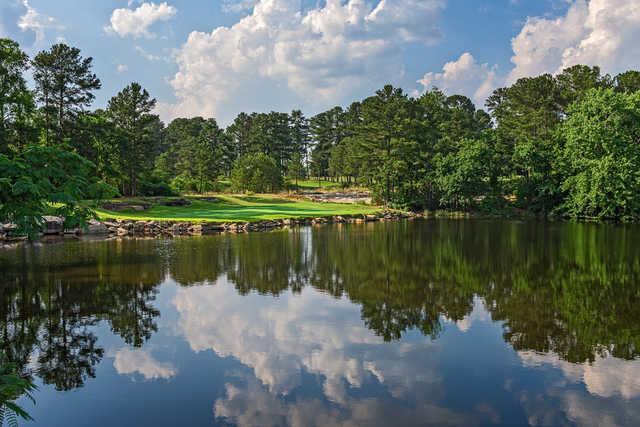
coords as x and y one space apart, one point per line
239 209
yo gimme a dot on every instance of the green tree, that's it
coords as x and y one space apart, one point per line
43 180
13 386
327 130
16 101
64 87
601 156
198 151
296 168
628 82
527 115
574 82
130 111
257 173
464 174
387 136
300 136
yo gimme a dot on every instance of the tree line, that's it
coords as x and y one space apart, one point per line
566 144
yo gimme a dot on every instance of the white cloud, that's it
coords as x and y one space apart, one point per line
464 76
249 404
32 20
147 55
122 68
591 32
137 22
284 337
479 314
595 32
605 377
131 361
283 55
238 6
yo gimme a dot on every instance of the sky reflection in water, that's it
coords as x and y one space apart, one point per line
428 323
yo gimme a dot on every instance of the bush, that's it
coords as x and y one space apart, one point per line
153 185
257 173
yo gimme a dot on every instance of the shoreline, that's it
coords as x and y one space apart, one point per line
123 228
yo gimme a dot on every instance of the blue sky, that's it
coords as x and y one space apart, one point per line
284 54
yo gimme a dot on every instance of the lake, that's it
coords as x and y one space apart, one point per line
403 323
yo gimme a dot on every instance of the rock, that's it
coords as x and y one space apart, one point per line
117 207
122 232
9 227
209 199
52 225
370 218
212 227
195 229
176 202
95 228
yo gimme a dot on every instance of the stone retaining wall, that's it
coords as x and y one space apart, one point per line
121 228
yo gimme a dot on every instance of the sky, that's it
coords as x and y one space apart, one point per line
216 58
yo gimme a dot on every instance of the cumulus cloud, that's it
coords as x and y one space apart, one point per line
32 20
464 76
321 56
595 32
122 68
238 6
249 404
605 377
131 361
479 314
284 337
137 22
610 397
591 32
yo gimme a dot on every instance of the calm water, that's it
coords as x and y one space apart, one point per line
424 323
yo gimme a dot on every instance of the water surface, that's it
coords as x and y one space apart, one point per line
412 323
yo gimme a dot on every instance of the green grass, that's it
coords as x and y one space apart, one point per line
311 184
240 209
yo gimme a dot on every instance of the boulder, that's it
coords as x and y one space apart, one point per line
176 202
117 207
52 225
122 232
96 228
196 229
212 227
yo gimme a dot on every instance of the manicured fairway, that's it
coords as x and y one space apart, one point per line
240 209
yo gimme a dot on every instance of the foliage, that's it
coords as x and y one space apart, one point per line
16 101
13 386
257 173
197 154
601 156
44 180
130 112
462 175
432 151
64 87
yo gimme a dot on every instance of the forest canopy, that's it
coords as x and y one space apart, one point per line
566 145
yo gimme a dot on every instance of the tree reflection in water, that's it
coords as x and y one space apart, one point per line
568 289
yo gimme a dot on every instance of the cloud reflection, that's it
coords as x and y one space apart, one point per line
140 361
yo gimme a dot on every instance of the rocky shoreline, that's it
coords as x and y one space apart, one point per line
53 227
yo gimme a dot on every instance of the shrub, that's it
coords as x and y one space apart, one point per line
257 173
